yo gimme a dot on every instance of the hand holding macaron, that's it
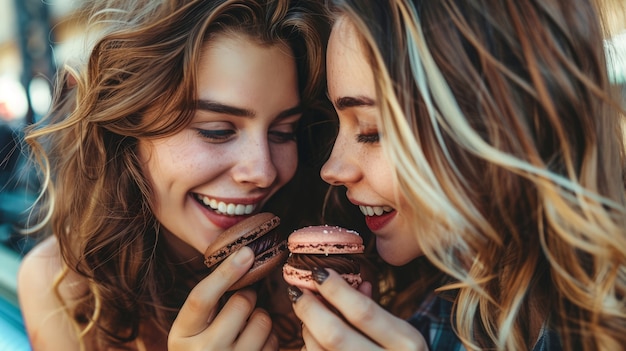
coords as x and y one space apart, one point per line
332 301
206 322
239 257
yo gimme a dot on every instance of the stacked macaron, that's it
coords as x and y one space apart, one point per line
256 232
323 246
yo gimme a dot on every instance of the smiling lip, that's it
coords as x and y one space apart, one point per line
378 222
376 217
230 212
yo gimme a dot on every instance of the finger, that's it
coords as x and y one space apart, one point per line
366 315
328 329
257 329
232 319
199 308
310 344
272 343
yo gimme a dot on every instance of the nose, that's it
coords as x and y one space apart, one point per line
342 167
255 165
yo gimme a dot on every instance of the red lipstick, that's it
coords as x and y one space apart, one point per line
377 222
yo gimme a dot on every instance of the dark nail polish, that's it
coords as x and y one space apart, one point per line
294 293
319 275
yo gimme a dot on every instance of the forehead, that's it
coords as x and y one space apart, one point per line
349 72
224 43
239 71
344 35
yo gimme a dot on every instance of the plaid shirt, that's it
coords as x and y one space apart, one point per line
432 319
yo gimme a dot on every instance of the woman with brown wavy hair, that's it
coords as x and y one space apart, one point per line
187 117
483 136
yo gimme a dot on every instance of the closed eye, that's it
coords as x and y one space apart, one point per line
284 131
216 135
368 138
281 137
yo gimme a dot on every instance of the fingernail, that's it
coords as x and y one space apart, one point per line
294 293
319 274
242 257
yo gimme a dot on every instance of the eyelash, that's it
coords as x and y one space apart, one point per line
219 135
223 135
368 138
281 137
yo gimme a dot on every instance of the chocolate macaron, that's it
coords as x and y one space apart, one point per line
256 232
323 246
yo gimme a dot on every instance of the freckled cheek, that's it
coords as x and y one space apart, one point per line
164 166
285 160
146 161
382 177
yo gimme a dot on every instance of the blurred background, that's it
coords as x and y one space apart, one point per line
36 36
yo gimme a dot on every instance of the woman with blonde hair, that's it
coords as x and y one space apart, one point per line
483 143
187 117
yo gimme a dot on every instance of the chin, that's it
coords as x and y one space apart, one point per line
394 261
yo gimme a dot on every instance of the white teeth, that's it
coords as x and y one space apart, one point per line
224 208
221 207
374 210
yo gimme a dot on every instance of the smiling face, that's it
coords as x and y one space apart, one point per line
239 148
358 161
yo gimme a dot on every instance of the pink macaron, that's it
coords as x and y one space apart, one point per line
322 246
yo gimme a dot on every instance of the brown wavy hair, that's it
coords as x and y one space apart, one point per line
96 199
504 112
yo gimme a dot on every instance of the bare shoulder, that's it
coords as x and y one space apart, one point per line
46 321
44 259
39 269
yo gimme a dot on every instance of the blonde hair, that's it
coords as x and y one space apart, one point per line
507 141
95 195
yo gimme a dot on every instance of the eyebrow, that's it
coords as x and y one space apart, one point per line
217 107
345 102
